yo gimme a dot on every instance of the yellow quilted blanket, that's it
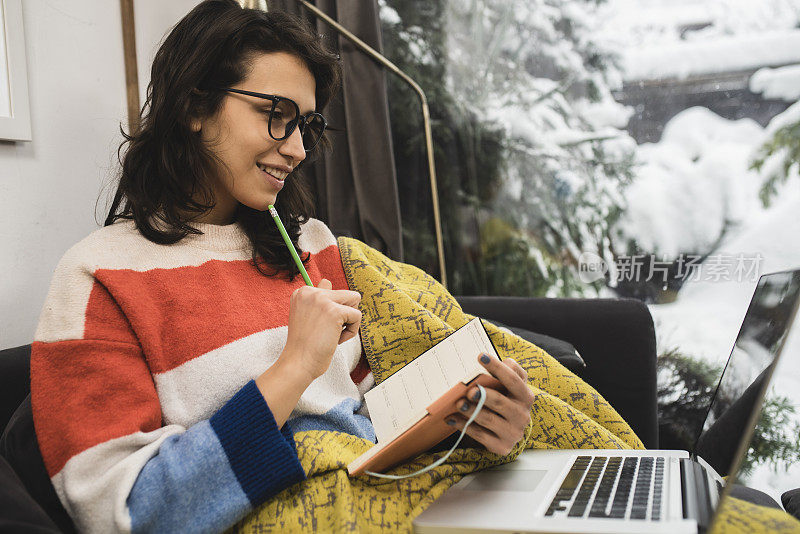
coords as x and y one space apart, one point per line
405 312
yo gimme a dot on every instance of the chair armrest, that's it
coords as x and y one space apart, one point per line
615 337
20 448
19 512
791 502
15 380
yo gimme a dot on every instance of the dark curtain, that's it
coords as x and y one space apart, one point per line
355 182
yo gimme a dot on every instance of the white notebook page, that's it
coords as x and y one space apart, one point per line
402 399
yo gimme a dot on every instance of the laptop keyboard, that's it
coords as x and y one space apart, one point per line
612 487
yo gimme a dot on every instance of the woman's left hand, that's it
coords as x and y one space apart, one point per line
502 421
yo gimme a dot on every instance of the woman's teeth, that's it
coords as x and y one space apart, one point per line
277 173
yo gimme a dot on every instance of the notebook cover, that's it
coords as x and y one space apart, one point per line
426 433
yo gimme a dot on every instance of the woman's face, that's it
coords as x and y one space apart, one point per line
237 134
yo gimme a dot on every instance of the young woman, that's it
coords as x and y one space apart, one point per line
178 351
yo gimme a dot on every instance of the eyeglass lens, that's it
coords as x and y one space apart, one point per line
283 120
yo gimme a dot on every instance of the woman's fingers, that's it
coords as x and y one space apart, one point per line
351 318
498 421
341 303
483 435
516 413
345 297
513 364
512 379
339 296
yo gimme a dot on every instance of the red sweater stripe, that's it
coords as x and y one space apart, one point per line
197 332
72 412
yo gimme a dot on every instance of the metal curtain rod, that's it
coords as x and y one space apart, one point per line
426 120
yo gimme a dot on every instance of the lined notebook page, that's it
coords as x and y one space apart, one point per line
401 400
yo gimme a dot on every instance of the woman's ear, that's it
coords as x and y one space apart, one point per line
195 124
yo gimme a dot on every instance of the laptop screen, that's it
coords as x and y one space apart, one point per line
775 442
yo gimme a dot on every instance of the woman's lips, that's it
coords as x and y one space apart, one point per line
271 179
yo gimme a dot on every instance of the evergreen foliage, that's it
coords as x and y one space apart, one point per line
685 388
527 178
776 439
779 158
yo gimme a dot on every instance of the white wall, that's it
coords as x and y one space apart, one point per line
49 186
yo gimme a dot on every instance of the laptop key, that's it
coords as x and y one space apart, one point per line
587 487
568 485
620 503
655 513
598 508
641 493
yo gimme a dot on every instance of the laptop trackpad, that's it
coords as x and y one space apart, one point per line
506 480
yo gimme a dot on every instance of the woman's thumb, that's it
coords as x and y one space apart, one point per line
325 284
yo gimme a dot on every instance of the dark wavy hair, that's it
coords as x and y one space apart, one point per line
167 172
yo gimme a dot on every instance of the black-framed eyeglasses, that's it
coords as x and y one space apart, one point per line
284 117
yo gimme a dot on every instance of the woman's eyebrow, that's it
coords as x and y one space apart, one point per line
306 111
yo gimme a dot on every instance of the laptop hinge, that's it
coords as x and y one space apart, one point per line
695 493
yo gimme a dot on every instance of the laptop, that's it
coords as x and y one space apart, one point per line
631 491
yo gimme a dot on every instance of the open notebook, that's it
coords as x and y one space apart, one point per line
410 408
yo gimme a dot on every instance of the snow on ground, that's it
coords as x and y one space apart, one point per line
691 182
659 39
647 22
782 83
724 54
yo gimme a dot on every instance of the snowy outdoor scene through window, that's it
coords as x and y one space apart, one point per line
614 148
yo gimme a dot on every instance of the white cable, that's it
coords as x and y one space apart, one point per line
438 462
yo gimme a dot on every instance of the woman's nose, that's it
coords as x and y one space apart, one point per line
292 146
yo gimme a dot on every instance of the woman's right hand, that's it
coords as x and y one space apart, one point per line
320 318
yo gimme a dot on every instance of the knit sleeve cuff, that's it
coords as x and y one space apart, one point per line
262 456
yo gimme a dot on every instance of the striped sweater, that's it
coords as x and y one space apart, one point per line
142 371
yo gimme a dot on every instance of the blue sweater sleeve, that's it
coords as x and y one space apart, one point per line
216 472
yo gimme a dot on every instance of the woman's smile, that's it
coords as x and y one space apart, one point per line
274 175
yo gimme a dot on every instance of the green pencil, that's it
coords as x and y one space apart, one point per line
289 245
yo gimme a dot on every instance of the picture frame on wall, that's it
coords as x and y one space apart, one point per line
15 116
